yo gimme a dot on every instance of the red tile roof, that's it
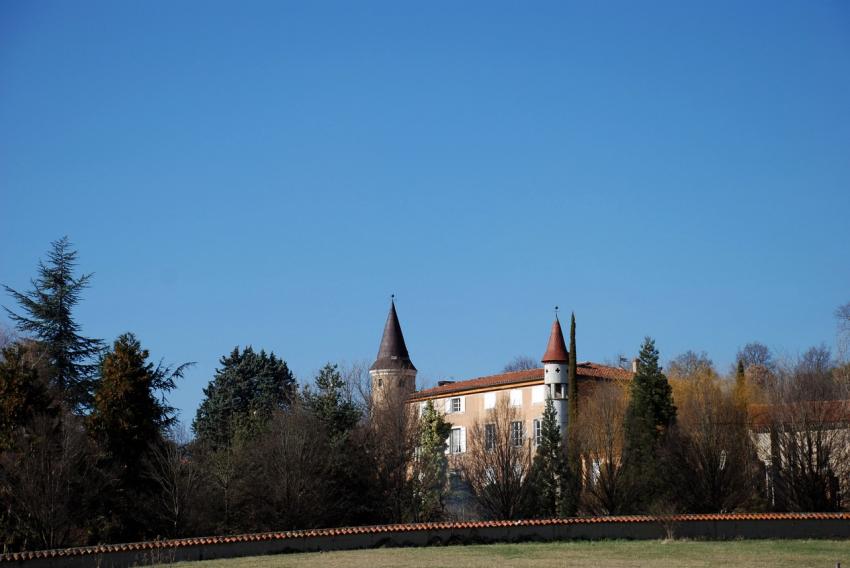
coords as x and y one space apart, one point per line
810 412
18 557
584 370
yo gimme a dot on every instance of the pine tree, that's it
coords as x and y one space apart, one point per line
328 402
550 473
47 316
240 399
431 466
650 414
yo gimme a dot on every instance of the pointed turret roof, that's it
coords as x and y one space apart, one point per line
556 351
393 352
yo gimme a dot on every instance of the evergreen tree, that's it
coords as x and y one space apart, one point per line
650 414
129 417
348 483
47 316
242 396
570 501
740 394
130 412
572 376
328 402
22 393
431 466
550 475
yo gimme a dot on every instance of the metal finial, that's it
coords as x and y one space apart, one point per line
556 311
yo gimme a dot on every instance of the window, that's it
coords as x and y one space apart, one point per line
455 404
516 433
489 400
516 397
538 394
457 441
380 382
489 437
537 431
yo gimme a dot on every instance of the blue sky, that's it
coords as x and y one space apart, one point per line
269 173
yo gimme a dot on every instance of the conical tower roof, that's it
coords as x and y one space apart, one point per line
556 351
392 354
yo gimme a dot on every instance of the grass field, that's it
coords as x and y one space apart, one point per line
599 554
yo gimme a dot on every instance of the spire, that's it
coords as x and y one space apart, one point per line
556 351
393 352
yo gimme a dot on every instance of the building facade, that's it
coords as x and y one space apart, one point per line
469 401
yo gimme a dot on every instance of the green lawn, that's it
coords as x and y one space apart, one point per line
598 554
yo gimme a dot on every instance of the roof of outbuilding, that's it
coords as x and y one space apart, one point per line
585 370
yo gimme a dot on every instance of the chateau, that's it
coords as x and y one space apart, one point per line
393 377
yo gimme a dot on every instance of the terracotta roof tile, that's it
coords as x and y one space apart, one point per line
585 370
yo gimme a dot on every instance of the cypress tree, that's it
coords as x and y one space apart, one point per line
47 316
650 414
572 378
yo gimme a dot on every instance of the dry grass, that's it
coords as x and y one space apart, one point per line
600 554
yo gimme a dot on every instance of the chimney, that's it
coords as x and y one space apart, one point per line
635 365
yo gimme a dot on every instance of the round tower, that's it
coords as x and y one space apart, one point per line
393 374
556 373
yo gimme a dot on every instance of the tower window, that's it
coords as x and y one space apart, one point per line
380 382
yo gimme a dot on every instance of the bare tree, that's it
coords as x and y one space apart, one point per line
521 363
391 439
47 479
713 460
806 436
600 434
756 354
497 462
176 475
690 365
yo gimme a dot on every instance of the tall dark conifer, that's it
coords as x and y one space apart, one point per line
650 414
47 317
572 377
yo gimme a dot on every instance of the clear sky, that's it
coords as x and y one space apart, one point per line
269 173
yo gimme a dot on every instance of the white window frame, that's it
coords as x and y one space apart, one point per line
538 394
457 440
450 406
537 430
516 397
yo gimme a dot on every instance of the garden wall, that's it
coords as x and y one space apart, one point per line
708 527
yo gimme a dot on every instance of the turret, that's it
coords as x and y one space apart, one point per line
556 372
393 374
